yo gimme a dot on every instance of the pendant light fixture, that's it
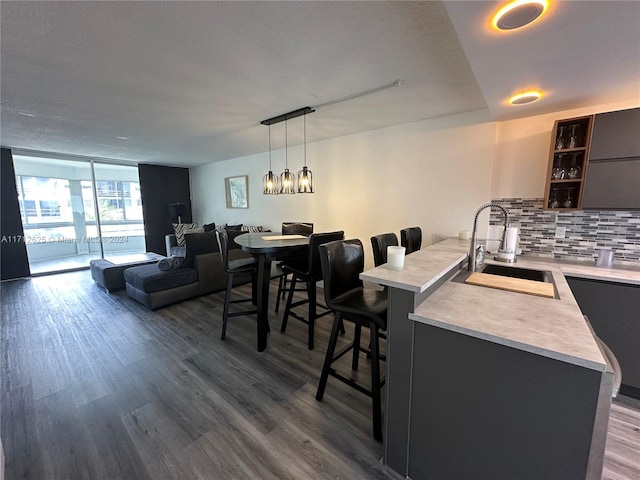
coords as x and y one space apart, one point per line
270 183
305 176
287 183
287 179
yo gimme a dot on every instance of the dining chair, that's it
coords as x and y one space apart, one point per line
288 228
342 262
239 266
379 244
309 271
411 239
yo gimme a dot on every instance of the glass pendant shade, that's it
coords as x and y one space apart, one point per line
305 180
287 182
270 184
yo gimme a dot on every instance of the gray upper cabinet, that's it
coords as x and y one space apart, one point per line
615 135
613 175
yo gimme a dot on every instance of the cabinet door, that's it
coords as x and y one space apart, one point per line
616 135
614 312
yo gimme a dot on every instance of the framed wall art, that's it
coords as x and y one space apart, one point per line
237 191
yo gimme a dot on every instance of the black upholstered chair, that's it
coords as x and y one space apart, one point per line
411 239
342 262
379 244
308 271
288 228
240 266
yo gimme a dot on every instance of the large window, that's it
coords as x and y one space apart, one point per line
66 222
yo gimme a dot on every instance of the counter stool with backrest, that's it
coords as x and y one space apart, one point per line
241 266
379 244
308 271
342 262
411 239
288 228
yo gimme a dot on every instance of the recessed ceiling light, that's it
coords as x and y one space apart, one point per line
122 138
524 98
518 14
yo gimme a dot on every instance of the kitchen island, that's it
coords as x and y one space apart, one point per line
487 383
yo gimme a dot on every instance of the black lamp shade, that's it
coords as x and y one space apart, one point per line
177 210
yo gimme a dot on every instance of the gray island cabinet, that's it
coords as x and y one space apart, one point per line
486 383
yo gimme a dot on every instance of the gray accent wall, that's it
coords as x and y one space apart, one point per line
587 232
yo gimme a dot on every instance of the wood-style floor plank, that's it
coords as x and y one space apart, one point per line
96 386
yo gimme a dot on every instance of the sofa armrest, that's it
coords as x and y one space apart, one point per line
170 241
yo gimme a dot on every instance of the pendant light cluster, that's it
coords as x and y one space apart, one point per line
287 181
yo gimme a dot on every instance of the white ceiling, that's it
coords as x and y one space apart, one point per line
187 83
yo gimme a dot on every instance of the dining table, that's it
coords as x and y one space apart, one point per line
266 247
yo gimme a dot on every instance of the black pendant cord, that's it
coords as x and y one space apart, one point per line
270 148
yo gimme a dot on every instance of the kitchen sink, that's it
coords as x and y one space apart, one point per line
516 272
507 277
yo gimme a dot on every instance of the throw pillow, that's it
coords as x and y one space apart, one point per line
251 228
233 228
183 228
209 227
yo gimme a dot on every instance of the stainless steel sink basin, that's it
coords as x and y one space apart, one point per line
543 276
516 272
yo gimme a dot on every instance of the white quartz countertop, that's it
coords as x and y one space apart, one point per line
615 273
554 328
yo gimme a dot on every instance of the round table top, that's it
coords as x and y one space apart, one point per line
259 242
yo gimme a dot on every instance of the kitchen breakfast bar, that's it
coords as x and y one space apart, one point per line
488 383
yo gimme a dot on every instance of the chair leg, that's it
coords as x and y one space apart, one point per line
311 293
225 309
375 383
281 287
356 347
287 308
328 359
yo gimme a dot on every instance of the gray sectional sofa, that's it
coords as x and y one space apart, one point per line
201 273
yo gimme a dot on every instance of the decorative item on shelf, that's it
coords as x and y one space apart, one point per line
575 171
574 137
559 171
561 138
570 200
177 211
305 176
287 179
270 182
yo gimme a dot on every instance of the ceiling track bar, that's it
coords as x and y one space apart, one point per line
288 116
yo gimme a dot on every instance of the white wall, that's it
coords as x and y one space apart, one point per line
522 151
433 174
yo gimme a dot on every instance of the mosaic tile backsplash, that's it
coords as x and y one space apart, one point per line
587 232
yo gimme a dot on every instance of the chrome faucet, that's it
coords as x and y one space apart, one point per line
472 250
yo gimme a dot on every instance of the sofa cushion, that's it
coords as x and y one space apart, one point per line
251 228
149 278
182 229
209 227
233 228
199 243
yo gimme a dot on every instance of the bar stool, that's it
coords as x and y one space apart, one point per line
241 266
310 272
288 228
411 239
342 262
379 244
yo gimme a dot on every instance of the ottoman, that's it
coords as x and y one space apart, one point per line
109 273
156 288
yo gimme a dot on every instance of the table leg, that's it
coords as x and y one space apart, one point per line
264 278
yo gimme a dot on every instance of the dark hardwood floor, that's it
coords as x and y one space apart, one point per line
96 386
